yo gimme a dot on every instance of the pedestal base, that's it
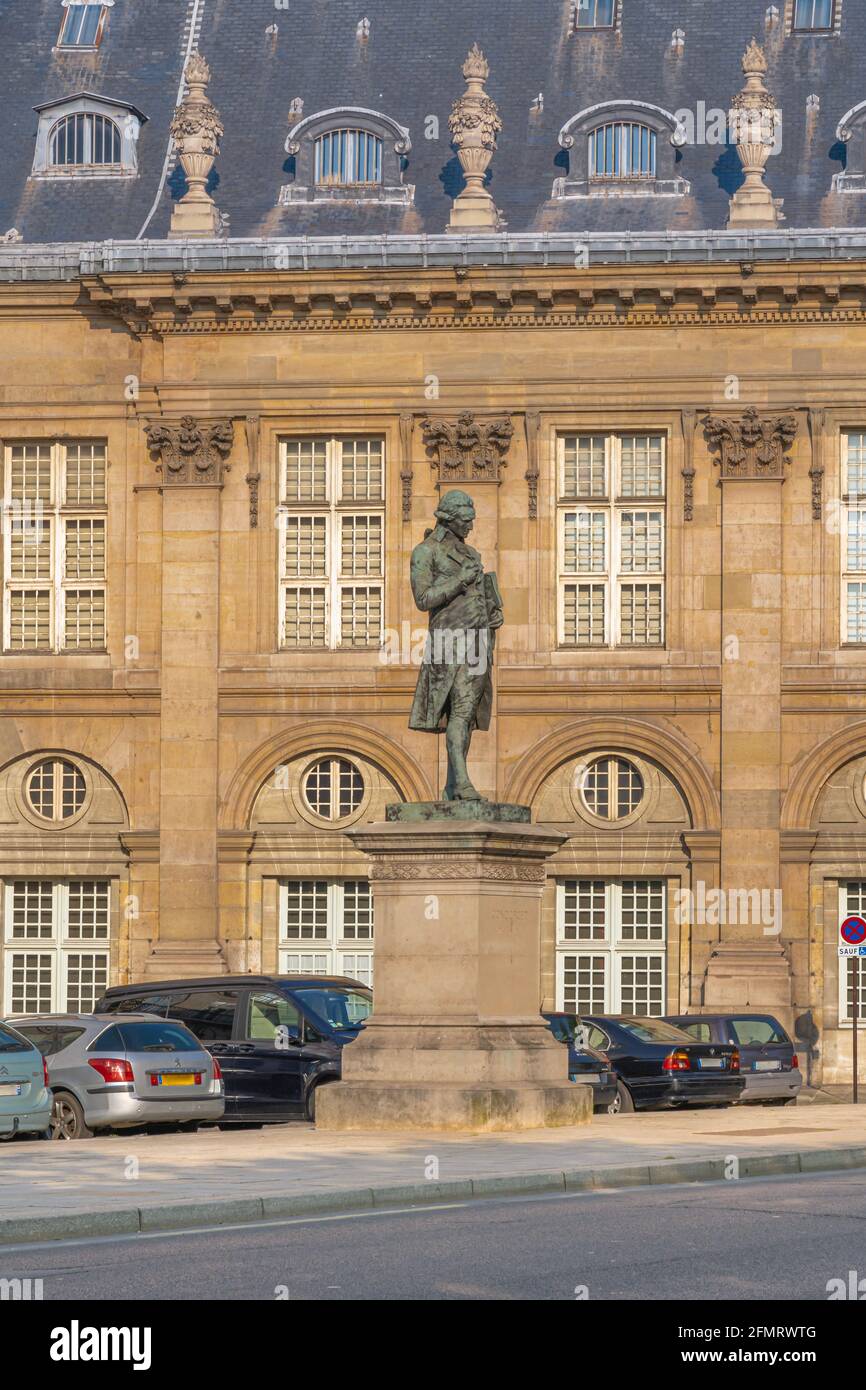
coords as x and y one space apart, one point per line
368 1105
456 1040
194 219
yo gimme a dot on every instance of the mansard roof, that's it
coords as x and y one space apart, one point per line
264 60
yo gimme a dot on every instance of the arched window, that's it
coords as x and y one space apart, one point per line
622 150
82 139
348 157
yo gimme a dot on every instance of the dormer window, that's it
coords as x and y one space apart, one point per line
594 14
621 149
811 16
82 140
347 157
87 136
82 25
350 154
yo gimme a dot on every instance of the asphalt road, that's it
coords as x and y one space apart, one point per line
753 1240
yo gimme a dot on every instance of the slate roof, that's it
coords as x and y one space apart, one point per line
409 68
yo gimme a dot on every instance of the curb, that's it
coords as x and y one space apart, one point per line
149 1220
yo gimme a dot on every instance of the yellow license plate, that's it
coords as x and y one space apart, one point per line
180 1078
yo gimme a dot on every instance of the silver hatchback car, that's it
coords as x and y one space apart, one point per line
25 1101
116 1071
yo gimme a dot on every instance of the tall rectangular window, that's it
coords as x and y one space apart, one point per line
56 944
54 539
852 903
611 540
853 537
326 928
611 943
331 527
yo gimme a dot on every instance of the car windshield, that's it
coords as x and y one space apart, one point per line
10 1042
652 1030
337 1007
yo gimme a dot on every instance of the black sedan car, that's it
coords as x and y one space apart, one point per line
658 1066
586 1064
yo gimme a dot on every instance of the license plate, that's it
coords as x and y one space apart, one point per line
590 1077
10 1089
767 1066
717 1062
177 1078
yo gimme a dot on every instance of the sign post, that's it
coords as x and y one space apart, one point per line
853 934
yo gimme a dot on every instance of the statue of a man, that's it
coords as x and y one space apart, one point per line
455 685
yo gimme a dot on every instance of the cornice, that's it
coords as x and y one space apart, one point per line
431 299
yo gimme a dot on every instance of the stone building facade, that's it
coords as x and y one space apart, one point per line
219 451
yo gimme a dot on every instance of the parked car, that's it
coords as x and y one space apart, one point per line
25 1100
768 1062
278 1037
658 1066
120 1070
585 1064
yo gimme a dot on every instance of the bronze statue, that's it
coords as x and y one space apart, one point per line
455 685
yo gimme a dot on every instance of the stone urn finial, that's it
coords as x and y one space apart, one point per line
196 128
474 124
755 124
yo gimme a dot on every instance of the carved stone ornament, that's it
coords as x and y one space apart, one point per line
474 125
752 446
192 452
196 128
467 450
754 121
447 866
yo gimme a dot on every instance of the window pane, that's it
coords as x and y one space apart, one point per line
361 545
643 909
31 472
357 910
306 910
209 1014
86 979
32 910
89 904
583 614
856 612
31 977
306 546
361 470
641 542
305 618
584 543
85 474
30 620
584 984
30 549
856 548
855 466
583 908
641 985
85 549
642 468
596 788
361 615
84 620
306 470
350 790
584 466
641 615
272 1016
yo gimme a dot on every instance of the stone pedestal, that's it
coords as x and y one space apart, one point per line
456 1041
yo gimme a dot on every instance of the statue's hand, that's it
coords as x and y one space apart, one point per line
472 570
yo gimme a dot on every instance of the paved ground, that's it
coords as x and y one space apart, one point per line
155 1172
758 1240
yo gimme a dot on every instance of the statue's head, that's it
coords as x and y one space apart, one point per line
456 510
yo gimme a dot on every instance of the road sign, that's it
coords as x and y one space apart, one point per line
853 931
851 952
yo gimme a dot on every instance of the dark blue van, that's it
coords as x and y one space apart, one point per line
277 1037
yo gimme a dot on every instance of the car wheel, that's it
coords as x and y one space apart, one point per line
67 1118
622 1103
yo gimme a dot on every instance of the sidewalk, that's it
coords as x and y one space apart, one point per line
136 1183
